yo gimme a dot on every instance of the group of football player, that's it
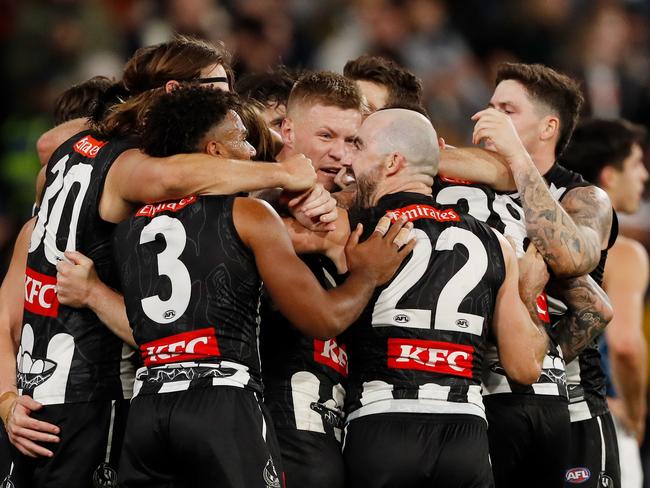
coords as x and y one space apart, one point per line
290 280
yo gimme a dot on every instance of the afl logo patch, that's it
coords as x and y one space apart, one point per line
169 314
462 323
104 477
401 318
577 476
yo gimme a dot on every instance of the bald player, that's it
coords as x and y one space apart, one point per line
415 414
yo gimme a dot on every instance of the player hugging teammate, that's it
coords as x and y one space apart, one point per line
388 312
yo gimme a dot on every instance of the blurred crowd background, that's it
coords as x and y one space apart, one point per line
453 45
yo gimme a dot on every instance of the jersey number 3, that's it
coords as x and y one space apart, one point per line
172 230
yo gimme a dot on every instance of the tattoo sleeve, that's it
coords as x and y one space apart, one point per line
570 240
589 312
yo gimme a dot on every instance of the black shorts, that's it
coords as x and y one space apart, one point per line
217 436
87 453
311 459
405 450
594 459
529 439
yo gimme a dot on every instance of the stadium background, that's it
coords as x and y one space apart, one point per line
453 45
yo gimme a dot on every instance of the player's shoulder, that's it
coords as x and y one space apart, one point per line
628 261
629 251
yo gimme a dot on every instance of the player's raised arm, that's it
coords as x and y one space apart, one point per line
136 177
295 290
478 166
570 235
522 342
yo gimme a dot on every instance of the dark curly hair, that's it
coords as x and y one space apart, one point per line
176 122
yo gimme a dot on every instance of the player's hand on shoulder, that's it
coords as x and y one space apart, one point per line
315 209
76 279
25 433
381 254
299 173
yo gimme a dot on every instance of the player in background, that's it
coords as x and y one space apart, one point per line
81 170
609 153
272 90
384 83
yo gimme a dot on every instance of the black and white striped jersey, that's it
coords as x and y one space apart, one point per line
67 355
304 378
192 294
504 212
419 345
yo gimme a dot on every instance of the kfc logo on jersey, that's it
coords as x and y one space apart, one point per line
577 476
152 210
542 308
188 346
40 294
88 146
431 356
331 354
417 212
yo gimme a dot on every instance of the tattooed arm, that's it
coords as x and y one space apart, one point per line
569 236
589 312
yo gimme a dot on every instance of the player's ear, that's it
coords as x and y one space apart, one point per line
171 85
393 163
213 148
287 133
607 176
550 127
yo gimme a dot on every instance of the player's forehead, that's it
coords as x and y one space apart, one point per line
510 92
344 121
231 125
216 71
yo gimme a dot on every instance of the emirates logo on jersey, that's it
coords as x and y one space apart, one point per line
431 356
331 354
418 211
188 346
88 146
40 294
152 210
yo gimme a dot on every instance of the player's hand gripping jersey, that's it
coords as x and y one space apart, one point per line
419 345
67 355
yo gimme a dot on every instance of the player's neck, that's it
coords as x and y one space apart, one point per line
285 152
543 158
411 185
